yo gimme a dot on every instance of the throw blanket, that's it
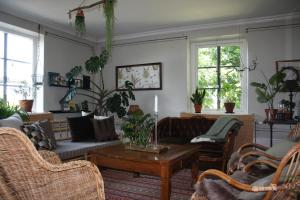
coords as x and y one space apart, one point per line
219 130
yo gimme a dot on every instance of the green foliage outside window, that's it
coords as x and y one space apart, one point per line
230 85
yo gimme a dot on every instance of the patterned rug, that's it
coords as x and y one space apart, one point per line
120 185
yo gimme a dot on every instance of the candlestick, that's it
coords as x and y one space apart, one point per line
155 104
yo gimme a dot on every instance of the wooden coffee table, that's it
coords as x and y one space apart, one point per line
162 165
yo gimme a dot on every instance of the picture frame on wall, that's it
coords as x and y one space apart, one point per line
147 76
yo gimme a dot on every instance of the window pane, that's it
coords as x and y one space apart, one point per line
12 97
19 48
230 86
17 72
210 100
207 78
207 57
1 44
230 56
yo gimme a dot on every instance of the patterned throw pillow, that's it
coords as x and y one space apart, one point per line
37 137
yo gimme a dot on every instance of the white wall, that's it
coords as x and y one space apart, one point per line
267 45
172 98
60 56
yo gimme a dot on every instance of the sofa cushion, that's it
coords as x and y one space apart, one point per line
37 137
14 121
47 129
104 129
81 128
66 149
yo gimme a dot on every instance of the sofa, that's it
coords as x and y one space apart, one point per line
67 149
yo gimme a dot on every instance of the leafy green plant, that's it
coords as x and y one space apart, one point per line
7 110
137 128
268 90
198 97
287 104
231 89
104 100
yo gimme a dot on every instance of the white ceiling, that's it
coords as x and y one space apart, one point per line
137 16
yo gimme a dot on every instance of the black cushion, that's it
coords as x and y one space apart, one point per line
174 140
104 129
81 128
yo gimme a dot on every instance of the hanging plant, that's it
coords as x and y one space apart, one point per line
109 22
79 23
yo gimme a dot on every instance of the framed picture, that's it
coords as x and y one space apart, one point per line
292 70
146 76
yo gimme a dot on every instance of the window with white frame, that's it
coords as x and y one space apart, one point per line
17 64
216 68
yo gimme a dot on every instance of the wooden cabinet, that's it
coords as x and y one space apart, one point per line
245 134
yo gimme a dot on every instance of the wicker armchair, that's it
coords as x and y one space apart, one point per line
24 174
250 151
283 184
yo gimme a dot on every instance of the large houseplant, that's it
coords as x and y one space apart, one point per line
197 99
267 91
103 99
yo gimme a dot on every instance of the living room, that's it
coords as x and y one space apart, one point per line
169 33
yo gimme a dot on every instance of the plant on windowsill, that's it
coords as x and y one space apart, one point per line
267 91
26 91
197 98
137 129
7 110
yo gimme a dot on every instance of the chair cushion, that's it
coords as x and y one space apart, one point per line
37 137
81 128
14 121
279 150
104 129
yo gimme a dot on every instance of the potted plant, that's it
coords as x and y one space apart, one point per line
7 110
267 91
104 100
137 128
26 91
229 105
197 99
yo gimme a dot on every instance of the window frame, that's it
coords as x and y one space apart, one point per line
244 74
27 34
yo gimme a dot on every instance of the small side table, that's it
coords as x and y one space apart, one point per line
272 122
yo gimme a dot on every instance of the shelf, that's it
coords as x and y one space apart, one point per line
64 86
63 111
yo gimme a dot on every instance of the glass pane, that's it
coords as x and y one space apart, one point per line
230 86
17 72
230 56
12 97
1 71
210 100
207 57
19 48
1 44
207 77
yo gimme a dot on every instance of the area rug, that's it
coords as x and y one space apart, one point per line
120 185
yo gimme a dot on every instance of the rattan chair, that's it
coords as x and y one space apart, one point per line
27 174
250 151
284 183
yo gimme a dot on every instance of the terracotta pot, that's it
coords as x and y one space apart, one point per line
271 114
198 108
26 105
229 107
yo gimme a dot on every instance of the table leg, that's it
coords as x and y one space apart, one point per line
165 183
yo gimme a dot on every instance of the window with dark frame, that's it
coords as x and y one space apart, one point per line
216 72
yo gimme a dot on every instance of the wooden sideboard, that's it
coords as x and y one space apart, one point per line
245 134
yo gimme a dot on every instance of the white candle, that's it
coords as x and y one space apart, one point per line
155 104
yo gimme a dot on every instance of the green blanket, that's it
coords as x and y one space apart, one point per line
219 129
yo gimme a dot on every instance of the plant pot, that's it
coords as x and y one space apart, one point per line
271 114
198 108
26 105
229 107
